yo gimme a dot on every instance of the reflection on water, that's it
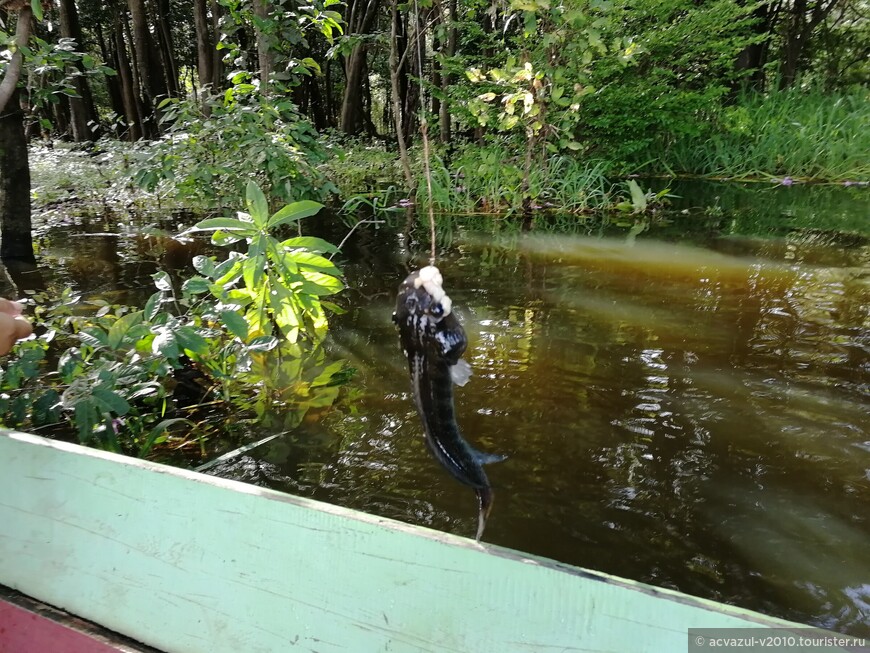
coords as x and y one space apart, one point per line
694 416
687 407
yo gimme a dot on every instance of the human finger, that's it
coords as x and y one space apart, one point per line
10 307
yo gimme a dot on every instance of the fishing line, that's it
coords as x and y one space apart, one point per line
424 132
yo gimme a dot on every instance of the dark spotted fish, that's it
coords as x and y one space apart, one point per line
433 341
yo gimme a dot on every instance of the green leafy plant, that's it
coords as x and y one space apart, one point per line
640 202
278 282
208 155
245 333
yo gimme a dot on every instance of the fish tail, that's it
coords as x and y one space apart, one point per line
485 497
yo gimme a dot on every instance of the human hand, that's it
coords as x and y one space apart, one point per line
12 326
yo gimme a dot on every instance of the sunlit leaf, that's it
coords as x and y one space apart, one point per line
121 327
319 284
253 270
294 212
165 344
162 280
205 265
152 306
229 224
258 205
235 323
222 238
314 262
94 337
196 286
263 343
335 308
310 243
188 339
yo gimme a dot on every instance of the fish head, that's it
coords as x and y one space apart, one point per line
421 301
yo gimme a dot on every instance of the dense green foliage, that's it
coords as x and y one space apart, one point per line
240 89
795 132
199 161
244 333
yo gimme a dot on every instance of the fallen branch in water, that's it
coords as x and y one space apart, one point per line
352 229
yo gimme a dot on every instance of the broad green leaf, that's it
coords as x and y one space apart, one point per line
284 305
638 197
325 377
320 284
235 323
162 280
190 340
294 212
222 238
263 343
253 270
196 285
310 243
314 262
229 274
258 205
36 6
230 224
323 397
205 265
94 337
335 308
154 435
165 343
121 328
152 306
85 420
110 401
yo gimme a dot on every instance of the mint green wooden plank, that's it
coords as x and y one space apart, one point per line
187 562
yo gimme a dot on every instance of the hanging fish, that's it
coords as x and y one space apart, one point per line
434 341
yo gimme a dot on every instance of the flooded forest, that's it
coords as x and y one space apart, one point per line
652 220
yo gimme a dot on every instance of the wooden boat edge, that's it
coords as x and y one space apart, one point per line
730 614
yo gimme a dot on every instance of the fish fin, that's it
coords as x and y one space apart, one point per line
484 497
488 458
461 372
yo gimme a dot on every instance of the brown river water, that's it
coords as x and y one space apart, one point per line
684 404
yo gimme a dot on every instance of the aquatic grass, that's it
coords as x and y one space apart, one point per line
802 133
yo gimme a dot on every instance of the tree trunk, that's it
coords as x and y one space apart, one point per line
330 102
204 47
264 56
16 240
351 107
803 20
129 86
13 68
397 109
167 49
361 21
217 64
412 57
141 54
315 101
450 50
112 83
82 114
